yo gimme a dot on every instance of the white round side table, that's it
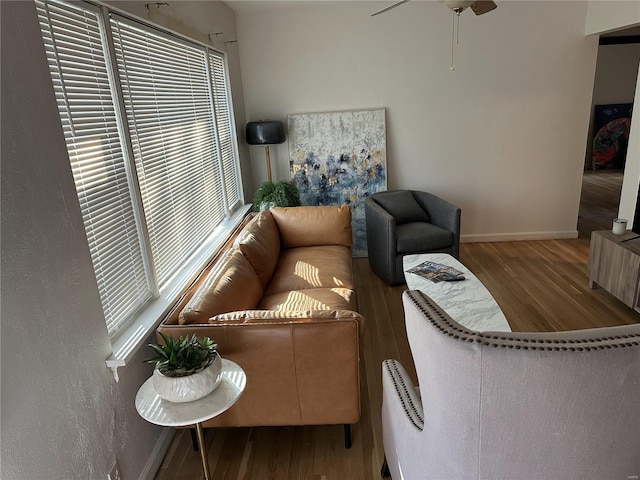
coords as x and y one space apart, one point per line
168 414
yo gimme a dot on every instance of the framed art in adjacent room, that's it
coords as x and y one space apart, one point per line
612 124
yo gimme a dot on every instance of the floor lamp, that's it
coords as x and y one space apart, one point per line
265 133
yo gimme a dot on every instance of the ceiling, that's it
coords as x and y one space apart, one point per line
255 6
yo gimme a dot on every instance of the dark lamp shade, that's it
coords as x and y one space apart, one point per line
264 133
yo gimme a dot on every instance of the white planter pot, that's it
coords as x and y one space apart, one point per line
189 388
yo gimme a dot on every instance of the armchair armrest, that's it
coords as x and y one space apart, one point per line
402 417
381 239
443 214
401 399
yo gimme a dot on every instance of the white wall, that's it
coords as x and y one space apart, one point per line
610 15
616 72
502 136
63 415
631 180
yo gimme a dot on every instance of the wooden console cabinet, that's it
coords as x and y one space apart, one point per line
614 264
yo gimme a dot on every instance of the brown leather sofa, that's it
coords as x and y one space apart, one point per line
280 302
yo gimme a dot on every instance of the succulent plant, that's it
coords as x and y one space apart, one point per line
186 356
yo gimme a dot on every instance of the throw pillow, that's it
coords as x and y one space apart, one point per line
260 243
231 285
402 206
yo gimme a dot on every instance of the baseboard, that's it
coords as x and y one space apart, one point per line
157 455
514 237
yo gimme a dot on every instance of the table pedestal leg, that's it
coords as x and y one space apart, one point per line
203 451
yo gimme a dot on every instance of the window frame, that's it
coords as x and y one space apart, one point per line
126 342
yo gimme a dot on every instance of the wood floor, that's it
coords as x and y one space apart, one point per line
540 286
599 201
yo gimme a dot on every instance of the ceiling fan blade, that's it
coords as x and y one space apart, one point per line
386 9
483 6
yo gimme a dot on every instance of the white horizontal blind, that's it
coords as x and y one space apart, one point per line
154 168
76 55
170 112
224 122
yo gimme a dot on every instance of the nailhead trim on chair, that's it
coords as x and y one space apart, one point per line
446 325
403 394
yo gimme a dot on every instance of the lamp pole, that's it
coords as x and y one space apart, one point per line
266 149
265 132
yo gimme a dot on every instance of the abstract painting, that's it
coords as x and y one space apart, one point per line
337 158
611 126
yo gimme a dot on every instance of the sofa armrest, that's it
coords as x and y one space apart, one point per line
381 239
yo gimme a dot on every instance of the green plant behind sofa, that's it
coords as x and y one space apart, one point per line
280 194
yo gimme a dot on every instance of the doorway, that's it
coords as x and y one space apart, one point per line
599 201
614 85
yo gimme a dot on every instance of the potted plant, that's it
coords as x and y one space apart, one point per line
186 369
280 194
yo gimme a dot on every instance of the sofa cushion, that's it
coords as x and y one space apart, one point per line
312 226
312 267
402 206
422 237
231 285
310 299
259 241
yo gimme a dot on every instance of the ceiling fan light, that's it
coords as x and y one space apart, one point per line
457 5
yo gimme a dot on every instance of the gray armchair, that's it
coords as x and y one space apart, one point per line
495 405
402 222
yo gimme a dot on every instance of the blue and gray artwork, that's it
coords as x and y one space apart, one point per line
338 158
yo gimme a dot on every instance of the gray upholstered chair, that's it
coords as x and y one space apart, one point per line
402 222
511 405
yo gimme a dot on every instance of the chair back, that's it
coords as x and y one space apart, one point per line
523 405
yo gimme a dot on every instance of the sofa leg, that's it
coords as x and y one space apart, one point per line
194 439
347 435
384 471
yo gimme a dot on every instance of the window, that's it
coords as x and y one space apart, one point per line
147 119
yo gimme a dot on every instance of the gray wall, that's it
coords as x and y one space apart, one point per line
63 415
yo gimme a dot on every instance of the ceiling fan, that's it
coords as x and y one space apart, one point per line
479 7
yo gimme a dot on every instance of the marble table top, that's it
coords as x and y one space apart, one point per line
467 301
161 412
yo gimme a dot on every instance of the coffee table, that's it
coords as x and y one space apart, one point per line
168 414
467 301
